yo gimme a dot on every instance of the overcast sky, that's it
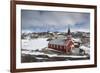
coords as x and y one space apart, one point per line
42 21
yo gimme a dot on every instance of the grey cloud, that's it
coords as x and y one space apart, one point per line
52 20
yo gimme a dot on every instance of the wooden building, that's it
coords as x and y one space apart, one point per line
64 45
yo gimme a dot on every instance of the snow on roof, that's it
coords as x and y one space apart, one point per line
58 41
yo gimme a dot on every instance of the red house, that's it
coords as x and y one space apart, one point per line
64 45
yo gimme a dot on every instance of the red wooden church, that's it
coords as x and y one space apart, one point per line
64 45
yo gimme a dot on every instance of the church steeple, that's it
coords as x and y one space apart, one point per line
68 33
69 30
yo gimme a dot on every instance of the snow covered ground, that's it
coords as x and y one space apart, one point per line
34 44
32 52
52 55
86 48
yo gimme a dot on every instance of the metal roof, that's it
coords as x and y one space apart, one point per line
62 41
58 41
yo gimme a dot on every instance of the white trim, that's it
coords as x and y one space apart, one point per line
20 65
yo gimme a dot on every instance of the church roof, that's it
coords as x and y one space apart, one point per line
58 41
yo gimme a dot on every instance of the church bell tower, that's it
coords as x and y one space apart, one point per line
69 33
